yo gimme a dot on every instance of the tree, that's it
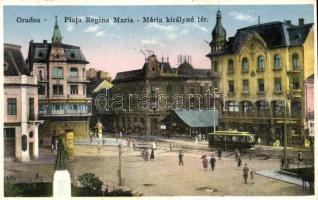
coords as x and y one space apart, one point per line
89 180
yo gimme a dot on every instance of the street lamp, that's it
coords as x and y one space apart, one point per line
214 91
119 161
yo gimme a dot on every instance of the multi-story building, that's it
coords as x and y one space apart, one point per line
61 73
262 71
20 107
144 97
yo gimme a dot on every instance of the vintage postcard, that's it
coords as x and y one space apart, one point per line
192 98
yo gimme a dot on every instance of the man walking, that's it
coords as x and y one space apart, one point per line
245 173
212 162
180 158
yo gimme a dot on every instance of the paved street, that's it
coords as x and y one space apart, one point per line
163 176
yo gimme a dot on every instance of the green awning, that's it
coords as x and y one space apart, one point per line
199 118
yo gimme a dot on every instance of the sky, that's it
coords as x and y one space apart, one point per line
115 47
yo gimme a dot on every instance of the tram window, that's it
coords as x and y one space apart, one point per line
234 138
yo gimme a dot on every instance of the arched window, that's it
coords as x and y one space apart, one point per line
74 72
295 61
230 66
233 106
245 65
277 62
260 63
58 72
247 106
262 106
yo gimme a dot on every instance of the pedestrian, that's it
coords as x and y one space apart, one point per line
204 162
152 155
245 173
239 162
181 158
154 146
121 134
282 163
252 173
98 147
103 141
134 145
212 162
146 154
219 153
300 158
236 152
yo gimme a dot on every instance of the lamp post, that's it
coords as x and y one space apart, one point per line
285 136
119 162
214 89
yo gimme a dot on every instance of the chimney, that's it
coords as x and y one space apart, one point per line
288 22
44 41
31 41
301 21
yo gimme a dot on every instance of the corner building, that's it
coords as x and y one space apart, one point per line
61 73
262 70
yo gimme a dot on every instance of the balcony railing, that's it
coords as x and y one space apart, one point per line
75 79
66 109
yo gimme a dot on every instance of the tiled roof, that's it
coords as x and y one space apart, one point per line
14 61
39 52
275 34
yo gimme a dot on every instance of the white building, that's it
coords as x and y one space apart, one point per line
20 107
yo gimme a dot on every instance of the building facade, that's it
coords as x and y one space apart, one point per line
20 107
143 98
61 73
262 71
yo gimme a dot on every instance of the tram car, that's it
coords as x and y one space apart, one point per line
231 139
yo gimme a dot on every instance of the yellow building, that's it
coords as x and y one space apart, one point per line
261 70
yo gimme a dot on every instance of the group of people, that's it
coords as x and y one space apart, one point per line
212 161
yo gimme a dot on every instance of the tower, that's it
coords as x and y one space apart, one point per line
57 36
218 34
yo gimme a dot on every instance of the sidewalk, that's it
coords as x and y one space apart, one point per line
274 174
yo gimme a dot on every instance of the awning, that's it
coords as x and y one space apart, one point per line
199 118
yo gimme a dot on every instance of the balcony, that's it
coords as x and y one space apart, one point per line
73 79
260 70
231 94
278 92
261 93
65 110
277 69
245 93
297 93
294 70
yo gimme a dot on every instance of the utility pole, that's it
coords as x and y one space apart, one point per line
119 162
285 135
214 110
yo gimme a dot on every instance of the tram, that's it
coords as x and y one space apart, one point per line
231 139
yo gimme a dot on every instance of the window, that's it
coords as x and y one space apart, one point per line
296 109
58 72
12 106
247 106
260 63
169 89
245 86
277 62
74 72
5 66
278 84
278 107
74 89
233 106
84 89
245 65
215 84
231 86
295 61
201 89
262 106
215 66
9 133
230 66
57 89
261 87
41 90
31 109
296 85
